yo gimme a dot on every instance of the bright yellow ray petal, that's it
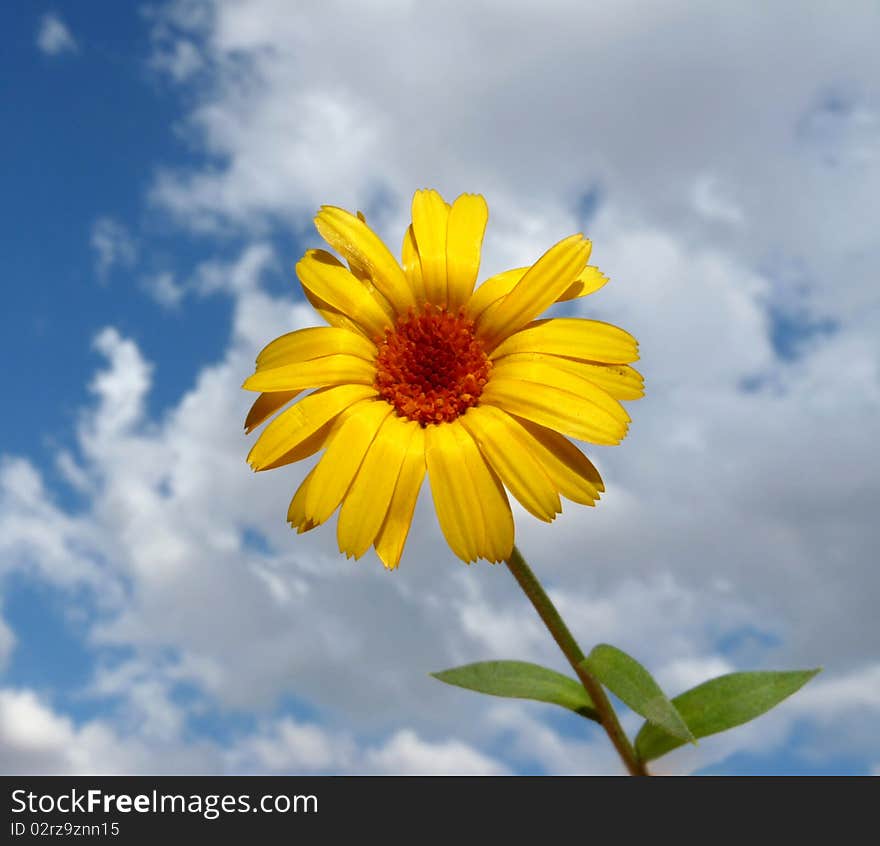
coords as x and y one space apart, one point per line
588 281
328 370
352 238
392 536
546 375
498 530
464 240
557 409
455 499
319 439
568 468
369 497
471 505
333 316
307 447
412 265
573 337
492 290
265 406
620 381
302 420
545 280
362 273
314 342
345 451
502 442
296 514
430 214
328 280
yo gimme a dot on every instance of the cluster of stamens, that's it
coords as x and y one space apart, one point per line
431 367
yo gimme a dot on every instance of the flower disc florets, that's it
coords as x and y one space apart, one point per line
431 367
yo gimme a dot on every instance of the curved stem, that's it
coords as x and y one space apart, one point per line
528 581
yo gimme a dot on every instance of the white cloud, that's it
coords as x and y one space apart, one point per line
165 290
531 741
35 740
406 754
114 246
171 502
710 201
685 673
53 36
702 132
719 163
738 530
288 746
180 59
828 698
38 537
121 389
7 643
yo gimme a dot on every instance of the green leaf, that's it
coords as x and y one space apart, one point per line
722 703
630 682
521 680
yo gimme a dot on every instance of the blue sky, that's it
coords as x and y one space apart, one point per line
85 131
163 165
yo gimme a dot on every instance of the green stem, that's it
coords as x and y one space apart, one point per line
528 581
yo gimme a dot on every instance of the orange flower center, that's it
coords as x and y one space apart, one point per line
431 367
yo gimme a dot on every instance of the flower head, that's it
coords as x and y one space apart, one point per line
418 372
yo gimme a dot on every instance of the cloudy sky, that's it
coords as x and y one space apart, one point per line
162 166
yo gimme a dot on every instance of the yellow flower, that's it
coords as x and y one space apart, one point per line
418 372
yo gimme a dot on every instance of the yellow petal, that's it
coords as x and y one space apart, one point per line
265 406
454 496
588 281
314 342
369 497
328 280
318 440
545 280
329 370
392 536
333 316
429 220
558 409
572 473
305 448
412 265
353 239
543 374
302 420
502 442
471 505
618 380
345 451
296 514
573 337
464 240
498 528
493 289
362 274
